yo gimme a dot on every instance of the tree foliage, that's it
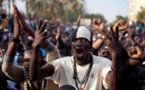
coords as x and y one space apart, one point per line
65 9
118 17
1 1
141 15
97 16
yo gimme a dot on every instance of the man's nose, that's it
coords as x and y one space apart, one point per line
79 44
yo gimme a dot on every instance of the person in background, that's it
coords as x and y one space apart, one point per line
20 73
82 70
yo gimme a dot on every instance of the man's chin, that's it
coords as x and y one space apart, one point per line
79 56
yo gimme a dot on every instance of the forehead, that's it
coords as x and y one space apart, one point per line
82 40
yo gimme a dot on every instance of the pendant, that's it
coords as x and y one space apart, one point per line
81 89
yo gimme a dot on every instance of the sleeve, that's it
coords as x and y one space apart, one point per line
56 74
105 70
53 55
12 71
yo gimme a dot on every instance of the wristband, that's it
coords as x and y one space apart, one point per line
15 40
50 47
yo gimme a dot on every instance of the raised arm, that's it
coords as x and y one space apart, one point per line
47 45
98 25
12 71
111 39
35 71
59 43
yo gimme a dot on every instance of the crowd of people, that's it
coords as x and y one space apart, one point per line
40 55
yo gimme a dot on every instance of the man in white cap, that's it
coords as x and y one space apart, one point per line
82 70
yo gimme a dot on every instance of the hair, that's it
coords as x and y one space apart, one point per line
3 15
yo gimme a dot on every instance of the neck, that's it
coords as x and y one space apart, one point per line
85 60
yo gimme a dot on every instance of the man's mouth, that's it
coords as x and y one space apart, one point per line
79 50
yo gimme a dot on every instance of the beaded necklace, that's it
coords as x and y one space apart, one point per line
85 78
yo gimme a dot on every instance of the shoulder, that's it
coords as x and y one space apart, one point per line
63 60
101 60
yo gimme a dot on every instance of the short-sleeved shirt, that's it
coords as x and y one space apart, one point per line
64 70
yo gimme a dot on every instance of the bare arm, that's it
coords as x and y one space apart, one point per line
36 72
12 71
98 44
115 49
46 44
111 39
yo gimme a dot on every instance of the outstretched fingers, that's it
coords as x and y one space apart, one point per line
40 24
43 25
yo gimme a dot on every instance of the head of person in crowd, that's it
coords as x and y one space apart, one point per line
81 43
66 38
23 58
51 36
4 15
104 52
28 55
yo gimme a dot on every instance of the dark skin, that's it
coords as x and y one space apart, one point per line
40 36
11 51
59 42
27 28
112 41
136 53
114 46
46 44
80 47
80 51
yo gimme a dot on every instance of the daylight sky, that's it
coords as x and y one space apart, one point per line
108 8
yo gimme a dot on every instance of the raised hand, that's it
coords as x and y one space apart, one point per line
112 41
29 30
98 25
23 24
59 30
40 34
121 25
136 52
16 27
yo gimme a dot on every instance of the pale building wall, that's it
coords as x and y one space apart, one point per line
134 7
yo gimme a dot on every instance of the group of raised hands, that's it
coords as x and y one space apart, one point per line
111 36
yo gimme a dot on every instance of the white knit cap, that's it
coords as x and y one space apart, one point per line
83 32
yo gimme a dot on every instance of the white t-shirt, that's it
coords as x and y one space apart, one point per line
64 70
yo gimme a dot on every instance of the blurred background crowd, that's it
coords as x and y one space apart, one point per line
68 11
